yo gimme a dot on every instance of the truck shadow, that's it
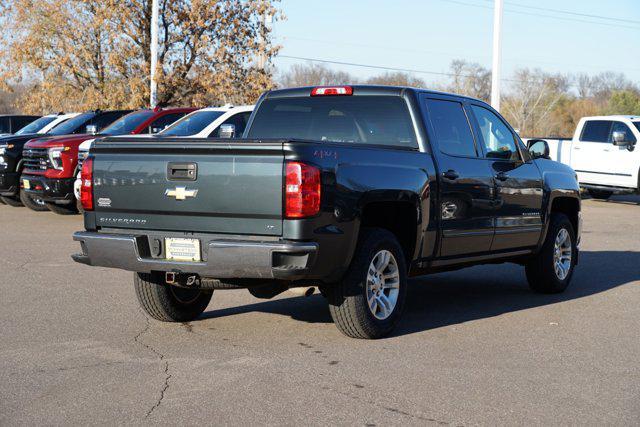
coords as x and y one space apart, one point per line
623 199
470 294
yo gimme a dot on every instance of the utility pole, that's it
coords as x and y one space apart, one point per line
497 55
153 98
266 19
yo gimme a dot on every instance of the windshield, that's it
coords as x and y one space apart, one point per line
381 120
72 125
637 125
192 124
128 123
35 126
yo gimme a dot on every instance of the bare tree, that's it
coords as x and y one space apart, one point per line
396 79
604 84
313 74
469 78
531 100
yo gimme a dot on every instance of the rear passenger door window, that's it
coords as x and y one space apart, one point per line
596 131
452 128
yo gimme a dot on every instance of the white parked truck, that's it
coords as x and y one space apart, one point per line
603 153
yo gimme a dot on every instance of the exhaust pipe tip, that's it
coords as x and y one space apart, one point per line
303 292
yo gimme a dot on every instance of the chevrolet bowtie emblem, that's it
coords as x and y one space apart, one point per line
180 193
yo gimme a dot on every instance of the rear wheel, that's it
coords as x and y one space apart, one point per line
600 194
11 201
32 202
552 268
69 209
169 303
369 301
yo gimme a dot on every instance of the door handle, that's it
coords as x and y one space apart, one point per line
576 148
451 174
177 171
501 176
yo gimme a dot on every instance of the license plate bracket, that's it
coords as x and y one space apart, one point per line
181 249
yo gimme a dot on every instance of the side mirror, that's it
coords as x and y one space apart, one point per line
227 131
539 149
620 139
155 130
92 129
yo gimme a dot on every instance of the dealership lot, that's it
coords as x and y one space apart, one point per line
475 346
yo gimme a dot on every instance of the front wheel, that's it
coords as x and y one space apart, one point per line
69 209
552 268
369 301
169 303
32 202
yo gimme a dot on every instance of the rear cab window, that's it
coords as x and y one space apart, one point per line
366 119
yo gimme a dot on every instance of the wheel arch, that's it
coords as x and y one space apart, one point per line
567 203
399 212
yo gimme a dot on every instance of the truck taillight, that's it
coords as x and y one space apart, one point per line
302 190
86 186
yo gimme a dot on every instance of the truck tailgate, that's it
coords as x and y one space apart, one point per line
195 185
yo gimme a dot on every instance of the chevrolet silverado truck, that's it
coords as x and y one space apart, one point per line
603 154
350 189
11 162
50 162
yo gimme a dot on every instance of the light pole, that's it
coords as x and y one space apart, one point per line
153 97
497 55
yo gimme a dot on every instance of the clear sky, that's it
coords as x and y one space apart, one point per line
429 34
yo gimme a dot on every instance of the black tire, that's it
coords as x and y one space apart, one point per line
11 201
541 271
32 203
69 209
348 299
2 201
600 194
169 303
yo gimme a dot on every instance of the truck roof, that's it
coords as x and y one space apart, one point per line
361 90
614 116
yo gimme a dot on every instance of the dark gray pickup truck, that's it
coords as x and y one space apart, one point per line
350 189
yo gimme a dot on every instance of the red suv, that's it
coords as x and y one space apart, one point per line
50 164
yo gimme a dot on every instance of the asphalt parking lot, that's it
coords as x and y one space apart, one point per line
475 346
